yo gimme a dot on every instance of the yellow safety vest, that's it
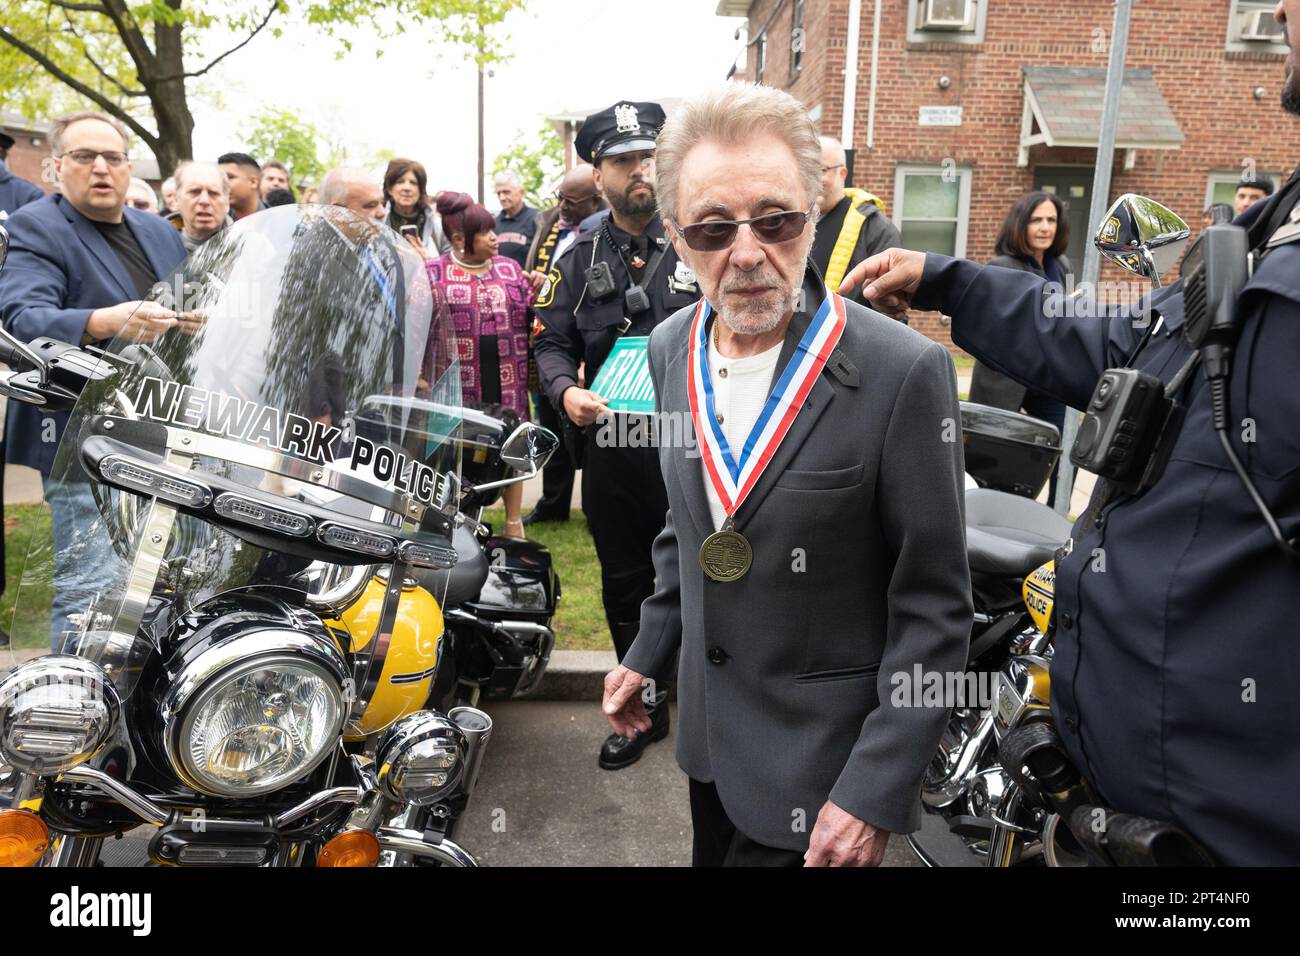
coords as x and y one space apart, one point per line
848 240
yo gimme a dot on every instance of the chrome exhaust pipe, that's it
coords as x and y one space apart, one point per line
477 727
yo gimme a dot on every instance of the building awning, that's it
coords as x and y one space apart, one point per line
1063 108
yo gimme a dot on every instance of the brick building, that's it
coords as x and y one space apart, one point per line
961 106
30 150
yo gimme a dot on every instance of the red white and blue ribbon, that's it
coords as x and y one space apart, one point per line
734 476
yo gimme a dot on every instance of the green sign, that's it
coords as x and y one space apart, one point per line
624 379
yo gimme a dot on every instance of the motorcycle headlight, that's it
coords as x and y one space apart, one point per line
55 712
421 758
253 713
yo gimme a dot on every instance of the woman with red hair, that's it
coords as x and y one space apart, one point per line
487 297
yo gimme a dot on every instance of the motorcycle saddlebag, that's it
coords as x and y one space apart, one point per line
521 584
1008 451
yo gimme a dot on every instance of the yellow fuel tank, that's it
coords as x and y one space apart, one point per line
412 654
1038 590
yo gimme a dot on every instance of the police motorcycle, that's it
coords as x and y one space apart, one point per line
243 652
1000 789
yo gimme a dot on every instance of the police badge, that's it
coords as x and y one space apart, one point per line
683 280
626 118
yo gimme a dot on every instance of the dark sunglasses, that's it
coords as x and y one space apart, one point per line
720 233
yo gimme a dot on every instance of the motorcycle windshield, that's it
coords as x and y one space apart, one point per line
239 447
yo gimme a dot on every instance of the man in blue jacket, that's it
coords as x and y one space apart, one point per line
14 190
1177 661
79 266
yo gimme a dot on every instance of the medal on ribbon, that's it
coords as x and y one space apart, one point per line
726 554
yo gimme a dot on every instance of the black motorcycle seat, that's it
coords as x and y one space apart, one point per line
1009 536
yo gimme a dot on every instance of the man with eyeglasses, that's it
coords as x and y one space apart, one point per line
557 228
622 278
813 566
80 264
851 223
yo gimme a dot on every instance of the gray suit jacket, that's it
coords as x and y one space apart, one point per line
859 574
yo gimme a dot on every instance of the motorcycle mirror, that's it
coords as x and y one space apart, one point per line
1142 236
529 447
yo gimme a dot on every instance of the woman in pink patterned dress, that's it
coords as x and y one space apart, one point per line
487 297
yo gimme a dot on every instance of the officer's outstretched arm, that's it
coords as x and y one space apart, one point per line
1010 321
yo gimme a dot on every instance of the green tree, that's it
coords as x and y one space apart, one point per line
278 134
137 60
538 159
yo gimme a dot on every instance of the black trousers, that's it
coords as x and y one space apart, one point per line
558 475
716 840
626 505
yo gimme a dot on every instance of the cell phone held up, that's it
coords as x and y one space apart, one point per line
410 232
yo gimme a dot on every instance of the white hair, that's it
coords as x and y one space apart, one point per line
334 187
833 144
189 166
733 113
509 176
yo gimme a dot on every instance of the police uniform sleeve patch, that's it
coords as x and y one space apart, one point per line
547 294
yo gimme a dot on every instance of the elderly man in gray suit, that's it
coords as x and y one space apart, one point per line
814 552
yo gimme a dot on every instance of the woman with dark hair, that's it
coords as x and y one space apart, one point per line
407 208
487 298
1033 238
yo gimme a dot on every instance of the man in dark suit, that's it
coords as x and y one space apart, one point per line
15 192
813 558
80 264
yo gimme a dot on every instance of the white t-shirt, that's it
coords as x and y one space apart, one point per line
740 388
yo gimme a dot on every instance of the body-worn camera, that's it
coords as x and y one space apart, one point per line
600 282
1120 437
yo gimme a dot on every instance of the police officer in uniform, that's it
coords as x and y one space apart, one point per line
1177 659
620 278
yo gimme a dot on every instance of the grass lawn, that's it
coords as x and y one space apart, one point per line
31 626
579 623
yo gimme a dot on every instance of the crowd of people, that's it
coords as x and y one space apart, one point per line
730 278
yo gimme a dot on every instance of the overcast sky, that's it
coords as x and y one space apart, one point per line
566 56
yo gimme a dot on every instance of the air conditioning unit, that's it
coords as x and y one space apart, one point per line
947 15
1258 26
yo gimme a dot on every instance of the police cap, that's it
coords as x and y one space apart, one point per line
622 128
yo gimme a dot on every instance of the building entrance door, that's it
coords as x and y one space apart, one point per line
1073 184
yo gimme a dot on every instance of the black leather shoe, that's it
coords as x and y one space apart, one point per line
543 517
619 752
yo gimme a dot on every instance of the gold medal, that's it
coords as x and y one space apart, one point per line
726 555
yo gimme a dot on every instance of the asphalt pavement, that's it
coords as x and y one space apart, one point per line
541 800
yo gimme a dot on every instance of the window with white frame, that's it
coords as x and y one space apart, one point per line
946 21
1222 185
932 207
1251 27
